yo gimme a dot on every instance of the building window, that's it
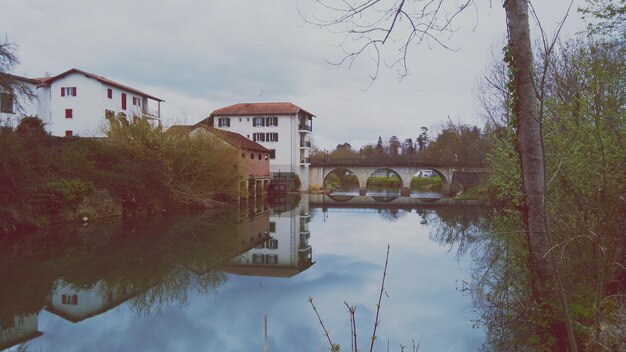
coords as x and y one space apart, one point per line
110 93
258 137
6 103
258 122
258 259
251 155
271 259
123 101
272 226
243 155
223 122
136 101
68 133
68 91
259 156
69 299
271 121
272 244
272 137
272 153
69 113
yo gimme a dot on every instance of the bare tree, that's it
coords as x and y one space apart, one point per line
12 87
367 25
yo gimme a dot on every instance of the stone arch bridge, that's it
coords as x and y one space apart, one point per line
453 176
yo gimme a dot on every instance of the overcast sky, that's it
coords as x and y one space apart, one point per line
200 55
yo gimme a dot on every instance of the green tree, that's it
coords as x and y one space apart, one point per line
394 146
423 139
380 149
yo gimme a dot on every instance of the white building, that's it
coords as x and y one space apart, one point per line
283 128
286 253
75 103
19 329
75 304
13 105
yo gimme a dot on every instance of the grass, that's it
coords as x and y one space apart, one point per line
426 184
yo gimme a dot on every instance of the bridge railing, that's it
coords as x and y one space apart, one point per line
389 161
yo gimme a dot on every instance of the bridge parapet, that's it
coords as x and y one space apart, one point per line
425 163
405 169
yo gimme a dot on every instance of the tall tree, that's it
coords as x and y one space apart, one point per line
394 146
422 139
369 24
380 149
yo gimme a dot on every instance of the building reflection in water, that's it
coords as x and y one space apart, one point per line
79 304
286 252
18 329
257 237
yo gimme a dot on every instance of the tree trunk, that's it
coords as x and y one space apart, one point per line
529 146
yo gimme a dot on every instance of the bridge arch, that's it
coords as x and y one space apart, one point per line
402 182
363 169
330 171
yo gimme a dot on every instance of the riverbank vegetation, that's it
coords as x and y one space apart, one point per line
582 99
426 184
553 268
44 179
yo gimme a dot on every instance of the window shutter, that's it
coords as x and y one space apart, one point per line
62 91
74 91
123 101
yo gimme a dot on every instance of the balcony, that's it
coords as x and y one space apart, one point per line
305 128
305 144
305 160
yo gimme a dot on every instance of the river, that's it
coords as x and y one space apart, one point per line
209 281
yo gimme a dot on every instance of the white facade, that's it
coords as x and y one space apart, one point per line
21 329
75 103
287 135
286 253
10 112
78 304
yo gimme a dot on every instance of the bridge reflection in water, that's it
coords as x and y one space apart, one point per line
347 201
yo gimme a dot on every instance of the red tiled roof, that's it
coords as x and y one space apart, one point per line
47 81
234 139
278 108
20 78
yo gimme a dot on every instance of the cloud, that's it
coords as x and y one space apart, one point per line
203 55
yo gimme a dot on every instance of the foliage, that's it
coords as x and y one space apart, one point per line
140 165
583 100
458 144
382 181
426 183
610 14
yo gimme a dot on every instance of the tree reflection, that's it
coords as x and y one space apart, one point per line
500 286
392 214
151 263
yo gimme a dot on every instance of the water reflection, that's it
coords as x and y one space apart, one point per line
76 273
286 252
205 281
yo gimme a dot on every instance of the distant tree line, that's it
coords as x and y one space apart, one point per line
455 144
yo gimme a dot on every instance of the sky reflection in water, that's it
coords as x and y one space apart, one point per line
423 284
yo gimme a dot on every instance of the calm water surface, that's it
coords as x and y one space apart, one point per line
206 282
